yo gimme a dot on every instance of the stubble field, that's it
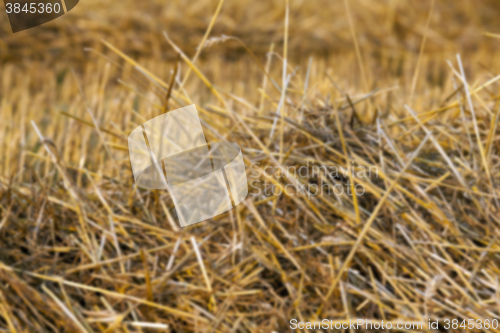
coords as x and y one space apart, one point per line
345 85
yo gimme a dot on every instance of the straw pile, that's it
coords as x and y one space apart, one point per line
84 250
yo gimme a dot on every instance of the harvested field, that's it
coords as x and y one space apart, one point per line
370 136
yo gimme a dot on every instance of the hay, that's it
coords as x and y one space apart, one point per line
83 249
